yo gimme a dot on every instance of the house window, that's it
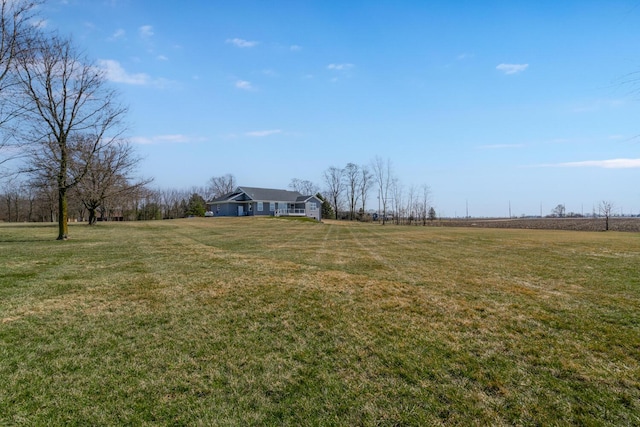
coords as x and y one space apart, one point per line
282 206
272 206
260 206
313 206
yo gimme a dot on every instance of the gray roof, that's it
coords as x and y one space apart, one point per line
268 194
262 195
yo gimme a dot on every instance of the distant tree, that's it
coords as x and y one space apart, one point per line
149 210
432 214
397 192
606 209
170 202
304 187
558 211
327 210
424 204
221 185
333 178
383 174
352 176
66 106
364 186
196 205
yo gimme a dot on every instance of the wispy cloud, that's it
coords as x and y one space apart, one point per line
263 133
117 74
162 58
119 34
500 146
166 139
597 105
242 42
295 48
340 67
605 164
244 85
463 56
145 31
512 68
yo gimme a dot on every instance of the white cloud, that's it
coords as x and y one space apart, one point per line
464 56
263 133
598 105
500 146
145 31
118 35
295 48
165 139
117 74
162 58
244 85
241 42
340 67
606 164
512 68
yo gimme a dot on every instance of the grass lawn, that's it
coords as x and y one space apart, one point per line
249 321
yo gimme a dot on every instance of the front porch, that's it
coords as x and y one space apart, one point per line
290 212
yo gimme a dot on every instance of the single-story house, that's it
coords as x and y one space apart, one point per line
251 201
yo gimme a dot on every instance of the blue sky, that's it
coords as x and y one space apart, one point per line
491 104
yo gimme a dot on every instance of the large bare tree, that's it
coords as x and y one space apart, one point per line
220 185
352 178
69 114
383 175
15 32
364 185
333 178
304 187
110 175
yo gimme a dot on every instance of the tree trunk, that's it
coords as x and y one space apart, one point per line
92 216
63 226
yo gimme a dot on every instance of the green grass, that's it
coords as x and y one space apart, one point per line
272 322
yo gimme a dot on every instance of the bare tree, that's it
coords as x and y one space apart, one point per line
333 178
220 185
558 211
304 187
382 173
365 183
171 202
411 204
110 174
606 209
69 114
424 203
352 178
15 31
397 191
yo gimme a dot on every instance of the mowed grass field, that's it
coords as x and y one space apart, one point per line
251 321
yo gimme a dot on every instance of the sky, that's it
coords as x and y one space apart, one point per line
497 106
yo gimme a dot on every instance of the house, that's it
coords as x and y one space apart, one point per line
251 201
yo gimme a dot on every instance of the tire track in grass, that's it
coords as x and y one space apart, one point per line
371 253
